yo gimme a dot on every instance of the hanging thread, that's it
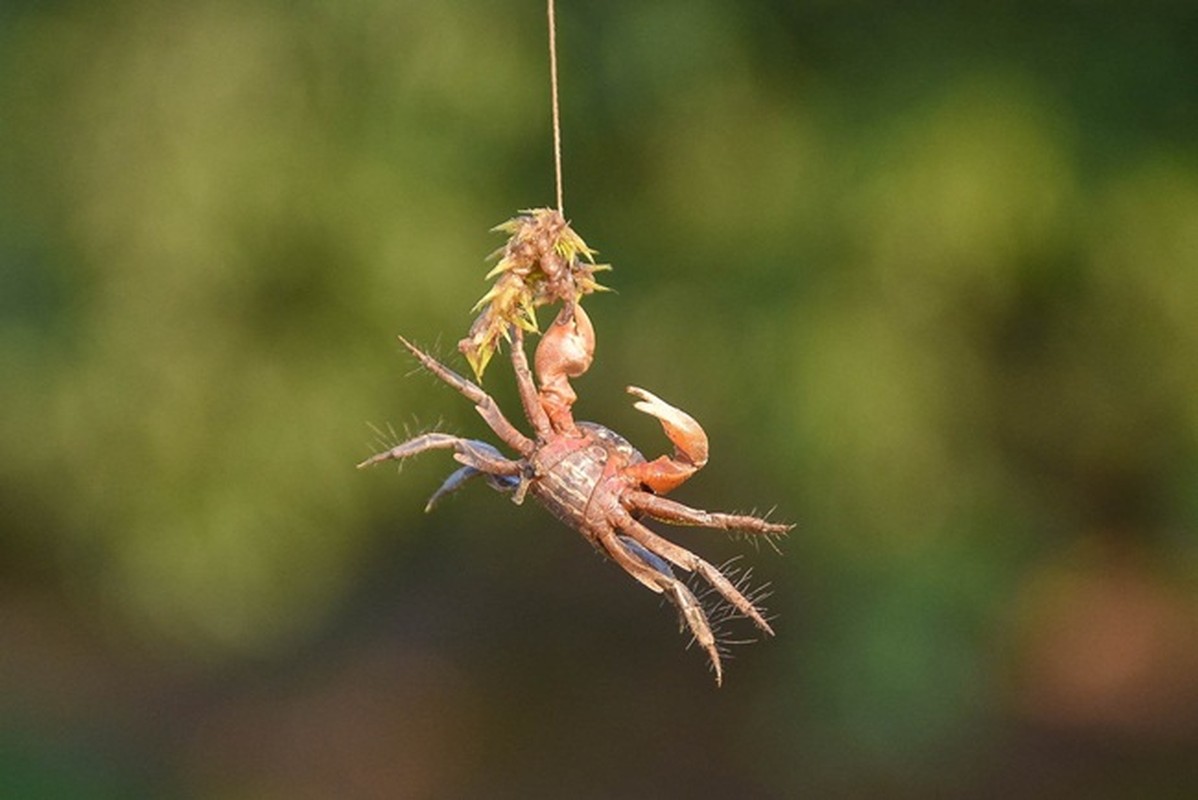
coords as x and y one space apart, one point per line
557 124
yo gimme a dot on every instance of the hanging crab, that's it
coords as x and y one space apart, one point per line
590 477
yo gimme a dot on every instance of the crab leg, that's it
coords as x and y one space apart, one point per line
529 397
457 479
483 403
687 604
687 560
672 511
479 455
652 559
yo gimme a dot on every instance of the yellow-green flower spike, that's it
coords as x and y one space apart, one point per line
544 261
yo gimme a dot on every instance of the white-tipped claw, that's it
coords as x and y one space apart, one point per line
681 428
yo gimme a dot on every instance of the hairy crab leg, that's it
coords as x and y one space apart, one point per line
672 511
483 403
479 455
683 599
529 397
687 560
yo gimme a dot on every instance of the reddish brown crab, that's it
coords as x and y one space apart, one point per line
590 477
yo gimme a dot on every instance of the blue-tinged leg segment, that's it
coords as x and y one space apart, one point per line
652 559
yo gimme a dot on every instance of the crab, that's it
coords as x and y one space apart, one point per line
590 477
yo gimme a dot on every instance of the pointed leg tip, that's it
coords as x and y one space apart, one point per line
714 656
761 622
413 349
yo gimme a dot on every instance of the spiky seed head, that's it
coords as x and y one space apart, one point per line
544 261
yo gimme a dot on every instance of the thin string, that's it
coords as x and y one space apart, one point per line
557 124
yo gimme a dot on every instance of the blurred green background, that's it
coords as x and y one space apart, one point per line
928 277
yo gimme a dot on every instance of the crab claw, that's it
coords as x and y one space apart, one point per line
690 444
566 351
687 436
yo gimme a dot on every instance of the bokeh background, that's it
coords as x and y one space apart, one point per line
929 277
